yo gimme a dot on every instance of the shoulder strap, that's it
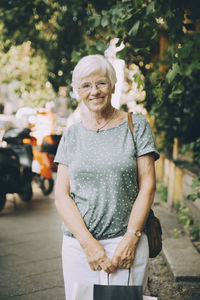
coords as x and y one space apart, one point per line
130 122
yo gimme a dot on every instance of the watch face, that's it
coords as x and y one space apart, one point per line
138 233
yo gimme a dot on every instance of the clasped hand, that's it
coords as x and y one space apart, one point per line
123 256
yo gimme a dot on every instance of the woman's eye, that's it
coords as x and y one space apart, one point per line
101 83
85 86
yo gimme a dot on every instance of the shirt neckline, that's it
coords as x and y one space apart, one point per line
103 130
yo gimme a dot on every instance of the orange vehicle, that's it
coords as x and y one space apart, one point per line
43 164
43 174
41 167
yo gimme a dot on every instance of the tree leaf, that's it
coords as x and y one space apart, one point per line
173 72
94 20
177 90
186 50
134 29
150 8
122 54
105 21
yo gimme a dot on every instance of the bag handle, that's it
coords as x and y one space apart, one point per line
129 276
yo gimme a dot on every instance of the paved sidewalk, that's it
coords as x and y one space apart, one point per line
30 241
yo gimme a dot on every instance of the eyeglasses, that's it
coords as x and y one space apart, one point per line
100 85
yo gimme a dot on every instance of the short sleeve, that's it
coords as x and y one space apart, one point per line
143 137
62 153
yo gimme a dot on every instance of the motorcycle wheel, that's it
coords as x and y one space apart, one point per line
46 185
27 194
2 201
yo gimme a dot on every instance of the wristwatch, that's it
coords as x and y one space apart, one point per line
136 232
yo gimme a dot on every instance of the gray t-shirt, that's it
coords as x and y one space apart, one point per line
103 173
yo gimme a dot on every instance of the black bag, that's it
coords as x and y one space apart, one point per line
153 226
109 292
154 234
117 292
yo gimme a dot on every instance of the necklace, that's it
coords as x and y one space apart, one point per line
98 129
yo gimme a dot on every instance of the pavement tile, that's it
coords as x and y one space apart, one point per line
17 286
55 293
42 245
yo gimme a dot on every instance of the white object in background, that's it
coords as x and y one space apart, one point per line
36 167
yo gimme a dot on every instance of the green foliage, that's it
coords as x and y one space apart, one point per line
190 225
185 217
28 71
72 104
138 78
55 29
196 187
124 107
195 232
175 98
177 233
162 190
63 31
196 151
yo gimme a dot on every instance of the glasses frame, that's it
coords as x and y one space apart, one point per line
98 85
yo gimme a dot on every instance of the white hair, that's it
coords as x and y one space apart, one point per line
89 64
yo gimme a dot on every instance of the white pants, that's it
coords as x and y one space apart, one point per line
77 269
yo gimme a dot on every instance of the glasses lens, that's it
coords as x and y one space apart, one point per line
88 85
101 84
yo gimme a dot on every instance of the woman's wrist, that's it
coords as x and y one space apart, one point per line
85 240
131 238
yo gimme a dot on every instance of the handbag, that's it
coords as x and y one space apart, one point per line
153 226
108 292
154 234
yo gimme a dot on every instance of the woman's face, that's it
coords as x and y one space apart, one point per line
95 91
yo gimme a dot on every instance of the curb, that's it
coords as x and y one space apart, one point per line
181 257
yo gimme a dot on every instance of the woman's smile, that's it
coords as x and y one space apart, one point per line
99 99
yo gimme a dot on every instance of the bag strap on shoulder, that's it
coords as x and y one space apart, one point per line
130 122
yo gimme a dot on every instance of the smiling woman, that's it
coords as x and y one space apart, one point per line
105 185
94 81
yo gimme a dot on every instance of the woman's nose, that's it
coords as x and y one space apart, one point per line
94 90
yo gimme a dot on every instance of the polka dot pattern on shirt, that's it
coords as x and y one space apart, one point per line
103 173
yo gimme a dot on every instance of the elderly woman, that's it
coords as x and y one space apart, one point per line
105 185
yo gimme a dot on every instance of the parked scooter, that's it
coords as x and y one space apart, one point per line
43 174
49 145
43 165
15 168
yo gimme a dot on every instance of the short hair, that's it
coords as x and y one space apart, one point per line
89 64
